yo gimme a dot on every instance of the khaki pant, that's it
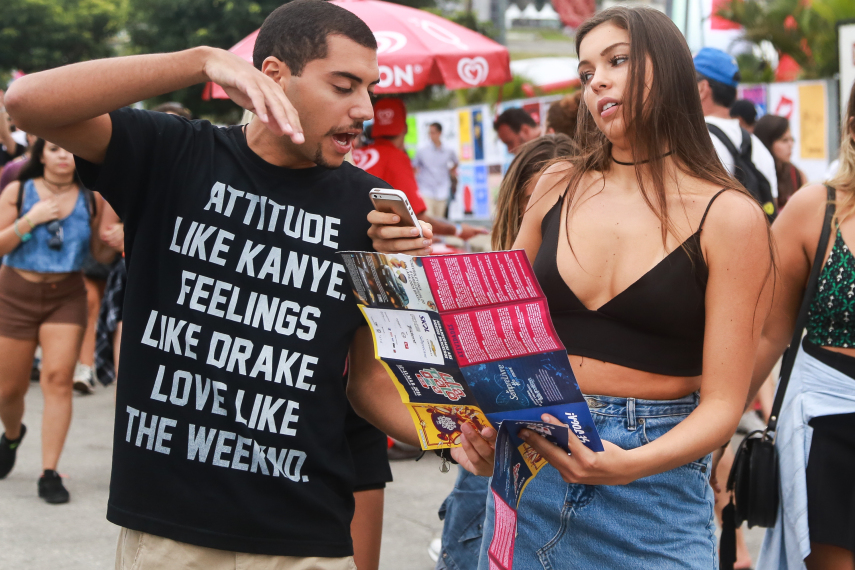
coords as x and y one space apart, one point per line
435 208
142 551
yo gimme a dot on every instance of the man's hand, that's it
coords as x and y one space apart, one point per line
467 232
254 91
114 236
389 238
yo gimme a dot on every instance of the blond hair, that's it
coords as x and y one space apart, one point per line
844 181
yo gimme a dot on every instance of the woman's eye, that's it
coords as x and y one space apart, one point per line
619 59
585 77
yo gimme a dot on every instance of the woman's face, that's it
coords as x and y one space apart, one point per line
604 72
782 149
57 160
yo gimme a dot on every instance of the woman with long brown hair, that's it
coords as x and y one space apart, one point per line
775 133
519 182
656 265
816 427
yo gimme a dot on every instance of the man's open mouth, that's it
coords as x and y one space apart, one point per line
344 140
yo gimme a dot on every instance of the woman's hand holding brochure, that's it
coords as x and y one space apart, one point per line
613 466
477 452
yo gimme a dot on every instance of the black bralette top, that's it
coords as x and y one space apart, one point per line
654 325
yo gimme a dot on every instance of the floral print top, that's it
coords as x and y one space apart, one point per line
833 305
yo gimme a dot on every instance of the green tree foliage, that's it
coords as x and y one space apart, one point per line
806 31
41 34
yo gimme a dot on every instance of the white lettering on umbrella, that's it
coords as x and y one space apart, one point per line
440 33
389 42
473 70
395 75
366 158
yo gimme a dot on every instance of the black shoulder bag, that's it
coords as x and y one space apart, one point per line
754 480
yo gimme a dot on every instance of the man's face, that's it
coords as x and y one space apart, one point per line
435 135
511 139
333 97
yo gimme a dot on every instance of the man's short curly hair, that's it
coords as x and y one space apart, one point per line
296 33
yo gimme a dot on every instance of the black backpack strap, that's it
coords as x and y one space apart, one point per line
725 140
745 147
93 203
801 321
19 202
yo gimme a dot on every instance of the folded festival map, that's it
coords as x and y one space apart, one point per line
468 338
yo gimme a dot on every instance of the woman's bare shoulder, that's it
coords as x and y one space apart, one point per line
10 192
734 218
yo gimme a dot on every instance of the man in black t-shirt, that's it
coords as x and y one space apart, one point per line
229 436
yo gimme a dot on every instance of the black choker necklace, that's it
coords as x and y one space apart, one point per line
669 153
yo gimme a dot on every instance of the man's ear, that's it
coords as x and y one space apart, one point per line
276 70
703 88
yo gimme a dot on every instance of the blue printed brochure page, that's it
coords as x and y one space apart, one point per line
467 338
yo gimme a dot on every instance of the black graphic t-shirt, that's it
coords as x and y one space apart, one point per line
230 415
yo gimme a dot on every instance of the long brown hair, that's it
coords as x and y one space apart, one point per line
530 160
844 180
669 118
770 128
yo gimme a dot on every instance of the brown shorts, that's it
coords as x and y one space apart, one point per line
25 306
141 551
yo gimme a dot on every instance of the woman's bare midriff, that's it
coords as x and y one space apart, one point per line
846 351
600 378
36 277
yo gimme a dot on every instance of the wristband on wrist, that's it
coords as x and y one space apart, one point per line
29 221
23 237
458 229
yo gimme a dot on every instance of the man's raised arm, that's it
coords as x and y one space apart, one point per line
68 105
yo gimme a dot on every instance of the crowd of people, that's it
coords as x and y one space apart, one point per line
667 226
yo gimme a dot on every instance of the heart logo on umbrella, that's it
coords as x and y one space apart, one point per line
473 70
366 158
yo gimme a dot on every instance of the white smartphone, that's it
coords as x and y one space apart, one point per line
395 202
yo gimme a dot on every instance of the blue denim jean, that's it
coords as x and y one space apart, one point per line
463 515
665 521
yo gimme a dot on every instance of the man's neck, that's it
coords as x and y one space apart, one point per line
719 112
437 144
278 151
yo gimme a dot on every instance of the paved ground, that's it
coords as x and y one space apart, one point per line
76 536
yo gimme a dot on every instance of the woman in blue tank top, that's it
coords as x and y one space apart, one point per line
657 268
46 221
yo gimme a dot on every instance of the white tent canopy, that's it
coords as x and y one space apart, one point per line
551 72
512 13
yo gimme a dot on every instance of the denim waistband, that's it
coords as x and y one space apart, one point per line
634 408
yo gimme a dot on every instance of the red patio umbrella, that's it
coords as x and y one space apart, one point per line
415 49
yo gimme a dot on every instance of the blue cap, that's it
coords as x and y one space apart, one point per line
716 64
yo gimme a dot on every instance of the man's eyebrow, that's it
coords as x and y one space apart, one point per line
352 77
602 53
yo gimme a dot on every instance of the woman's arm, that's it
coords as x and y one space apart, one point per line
101 251
111 229
477 451
41 212
796 233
